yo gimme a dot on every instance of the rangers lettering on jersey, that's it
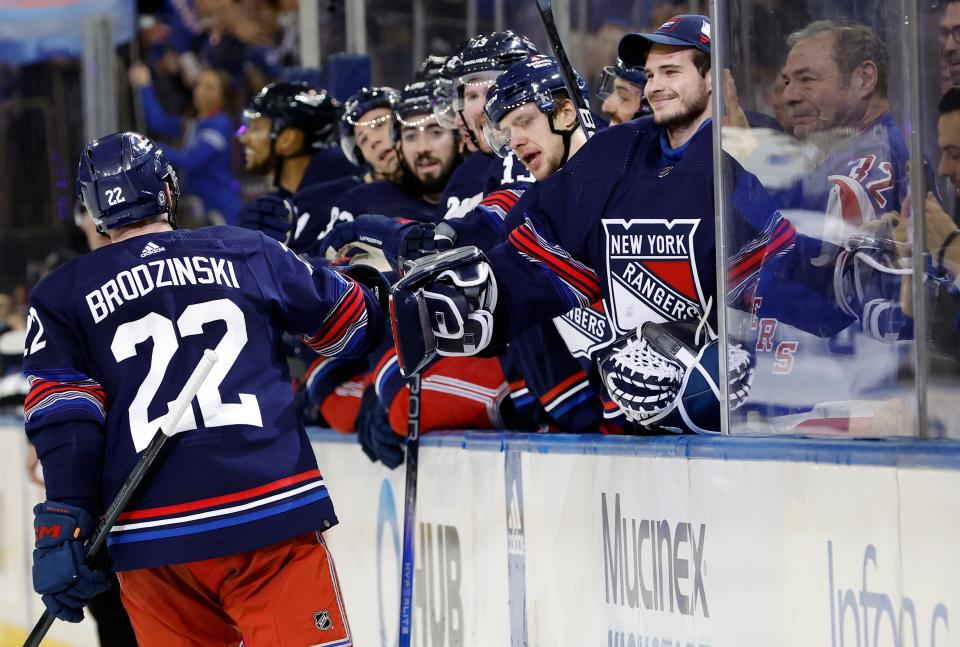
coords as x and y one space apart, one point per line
140 280
653 274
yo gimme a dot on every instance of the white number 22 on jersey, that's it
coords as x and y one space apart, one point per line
160 329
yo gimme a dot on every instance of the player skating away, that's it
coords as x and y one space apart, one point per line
223 541
629 219
621 90
284 127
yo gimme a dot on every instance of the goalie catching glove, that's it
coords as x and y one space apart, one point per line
443 305
662 376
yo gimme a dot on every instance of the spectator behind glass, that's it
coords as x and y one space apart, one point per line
205 156
949 33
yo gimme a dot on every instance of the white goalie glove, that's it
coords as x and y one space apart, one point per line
662 376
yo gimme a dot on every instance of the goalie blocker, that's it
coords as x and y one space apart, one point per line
663 375
443 305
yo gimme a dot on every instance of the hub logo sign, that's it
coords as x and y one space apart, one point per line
862 616
438 609
652 564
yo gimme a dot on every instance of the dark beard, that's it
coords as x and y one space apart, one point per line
685 117
417 186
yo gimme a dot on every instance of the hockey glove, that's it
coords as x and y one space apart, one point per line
397 238
60 574
663 375
368 404
270 214
377 438
443 305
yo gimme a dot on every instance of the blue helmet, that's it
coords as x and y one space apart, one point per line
122 179
619 70
494 52
480 60
359 104
415 107
537 81
632 75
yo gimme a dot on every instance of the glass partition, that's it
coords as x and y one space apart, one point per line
939 106
815 195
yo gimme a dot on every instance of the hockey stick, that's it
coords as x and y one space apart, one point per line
167 428
584 116
410 512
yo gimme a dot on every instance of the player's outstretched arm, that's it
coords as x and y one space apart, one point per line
339 313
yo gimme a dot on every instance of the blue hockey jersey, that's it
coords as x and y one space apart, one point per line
384 198
628 222
315 213
547 385
114 336
478 176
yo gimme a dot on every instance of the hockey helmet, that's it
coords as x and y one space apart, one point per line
299 105
365 100
535 81
122 179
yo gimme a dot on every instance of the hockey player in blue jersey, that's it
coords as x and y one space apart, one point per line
528 114
284 126
237 493
621 90
365 140
458 103
336 385
630 220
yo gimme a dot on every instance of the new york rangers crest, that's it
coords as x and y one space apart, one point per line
652 271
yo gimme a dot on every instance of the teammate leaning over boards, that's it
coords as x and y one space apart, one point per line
529 114
629 219
113 334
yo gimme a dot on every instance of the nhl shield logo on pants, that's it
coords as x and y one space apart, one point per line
322 620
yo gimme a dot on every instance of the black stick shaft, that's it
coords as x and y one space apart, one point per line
129 487
584 116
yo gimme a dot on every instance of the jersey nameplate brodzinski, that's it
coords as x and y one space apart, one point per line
652 271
